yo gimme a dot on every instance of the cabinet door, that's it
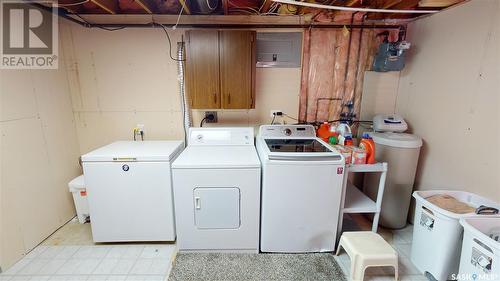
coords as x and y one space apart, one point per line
202 66
237 68
217 208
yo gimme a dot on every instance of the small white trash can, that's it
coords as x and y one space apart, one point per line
437 233
480 258
77 188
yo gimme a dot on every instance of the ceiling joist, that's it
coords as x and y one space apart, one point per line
391 3
146 5
110 6
185 7
310 11
266 6
437 3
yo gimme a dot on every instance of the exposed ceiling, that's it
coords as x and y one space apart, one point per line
261 11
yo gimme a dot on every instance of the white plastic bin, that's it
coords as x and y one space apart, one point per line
77 188
437 233
480 258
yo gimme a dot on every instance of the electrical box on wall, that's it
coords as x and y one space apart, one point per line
279 49
390 56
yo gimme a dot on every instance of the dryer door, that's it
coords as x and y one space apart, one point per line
217 207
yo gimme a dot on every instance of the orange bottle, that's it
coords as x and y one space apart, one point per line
369 146
323 131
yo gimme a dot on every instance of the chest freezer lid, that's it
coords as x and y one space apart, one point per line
135 151
217 157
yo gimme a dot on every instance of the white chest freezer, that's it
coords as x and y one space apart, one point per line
129 190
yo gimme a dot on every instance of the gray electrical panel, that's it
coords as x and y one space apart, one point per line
279 49
390 56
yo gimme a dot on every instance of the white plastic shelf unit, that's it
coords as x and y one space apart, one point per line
354 201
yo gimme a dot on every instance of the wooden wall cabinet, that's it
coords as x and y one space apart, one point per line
220 69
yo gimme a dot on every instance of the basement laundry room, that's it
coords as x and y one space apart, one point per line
248 140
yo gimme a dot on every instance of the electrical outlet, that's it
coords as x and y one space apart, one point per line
274 111
208 116
140 127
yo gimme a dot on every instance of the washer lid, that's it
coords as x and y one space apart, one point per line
401 140
135 151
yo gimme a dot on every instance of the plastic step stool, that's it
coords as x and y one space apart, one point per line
367 249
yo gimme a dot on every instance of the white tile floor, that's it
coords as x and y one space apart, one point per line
116 262
69 254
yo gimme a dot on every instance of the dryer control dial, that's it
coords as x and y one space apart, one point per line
287 131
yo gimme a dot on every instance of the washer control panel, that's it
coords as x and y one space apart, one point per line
287 131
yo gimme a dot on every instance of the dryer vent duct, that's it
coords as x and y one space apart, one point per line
184 101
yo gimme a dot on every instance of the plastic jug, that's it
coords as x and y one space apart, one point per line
323 131
369 146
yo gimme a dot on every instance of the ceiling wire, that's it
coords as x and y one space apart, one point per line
263 3
210 7
90 25
70 4
169 42
240 7
177 22
351 9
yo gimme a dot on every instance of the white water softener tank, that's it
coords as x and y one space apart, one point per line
401 152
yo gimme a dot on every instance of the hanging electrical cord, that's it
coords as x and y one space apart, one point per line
169 41
178 18
154 24
203 121
90 25
293 118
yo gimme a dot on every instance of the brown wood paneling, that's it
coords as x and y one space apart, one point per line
202 67
237 68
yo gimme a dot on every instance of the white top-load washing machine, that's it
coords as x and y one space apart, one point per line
216 183
129 190
302 180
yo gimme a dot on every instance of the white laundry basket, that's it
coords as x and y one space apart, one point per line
480 258
77 188
437 233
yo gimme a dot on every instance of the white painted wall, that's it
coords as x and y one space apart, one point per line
39 156
449 94
380 91
123 78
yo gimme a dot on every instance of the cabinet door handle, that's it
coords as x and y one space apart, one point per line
229 98
215 97
197 203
